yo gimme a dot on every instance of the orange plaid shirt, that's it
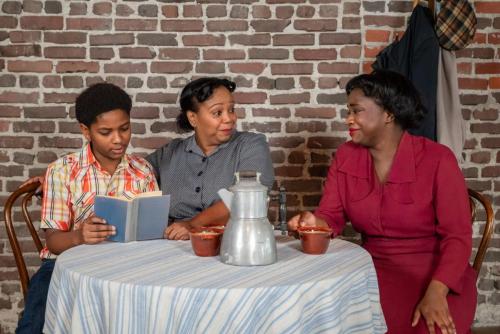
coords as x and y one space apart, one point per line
73 181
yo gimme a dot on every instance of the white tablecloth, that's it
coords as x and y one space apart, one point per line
160 286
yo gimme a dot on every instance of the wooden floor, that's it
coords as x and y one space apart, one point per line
486 330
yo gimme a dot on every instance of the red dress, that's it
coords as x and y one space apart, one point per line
416 226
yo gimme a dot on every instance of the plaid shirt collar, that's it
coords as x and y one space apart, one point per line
87 159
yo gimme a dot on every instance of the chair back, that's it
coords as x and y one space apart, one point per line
475 197
26 192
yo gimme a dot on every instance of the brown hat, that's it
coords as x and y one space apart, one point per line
455 24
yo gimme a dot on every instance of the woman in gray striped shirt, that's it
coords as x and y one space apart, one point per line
193 169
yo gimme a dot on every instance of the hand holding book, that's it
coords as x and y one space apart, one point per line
94 230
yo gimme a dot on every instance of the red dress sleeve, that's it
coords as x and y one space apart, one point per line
330 207
454 227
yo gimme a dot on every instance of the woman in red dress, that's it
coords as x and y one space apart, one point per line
408 199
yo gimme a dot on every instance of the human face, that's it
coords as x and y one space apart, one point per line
215 120
367 121
109 136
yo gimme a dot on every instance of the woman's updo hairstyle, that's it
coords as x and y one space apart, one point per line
394 93
196 92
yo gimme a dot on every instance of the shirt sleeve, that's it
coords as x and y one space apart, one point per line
56 210
255 155
155 159
330 206
453 223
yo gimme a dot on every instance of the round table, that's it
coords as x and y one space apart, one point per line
160 286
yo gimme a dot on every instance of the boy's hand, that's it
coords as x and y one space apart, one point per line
177 231
94 230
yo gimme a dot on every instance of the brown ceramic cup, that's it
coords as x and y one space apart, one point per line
206 242
314 239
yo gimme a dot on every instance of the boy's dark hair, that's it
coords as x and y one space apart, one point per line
393 92
100 98
198 91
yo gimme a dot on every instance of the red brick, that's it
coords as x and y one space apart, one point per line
216 10
125 67
225 54
373 51
263 127
293 39
60 142
135 24
267 53
25 36
315 25
8 22
490 142
254 39
157 127
470 83
35 127
290 98
270 25
88 24
227 25
296 68
320 112
284 12
377 36
486 114
250 97
149 143
170 11
182 25
71 81
112 39
491 128
77 66
349 8
102 8
325 142
64 52
307 83
20 51
51 81
171 67
59 97
137 53
351 23
351 51
249 68
480 157
464 68
157 39
494 38
41 66
180 53
69 127
261 12
145 112
78 8
315 54
204 40
338 68
490 171
42 22
10 111
16 141
339 38
211 67
310 126
14 97
192 11
102 53
487 68
384 21
286 142
268 112
494 83
479 53
168 98
487 7
479 38
67 37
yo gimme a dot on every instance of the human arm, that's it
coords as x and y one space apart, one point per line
454 230
217 214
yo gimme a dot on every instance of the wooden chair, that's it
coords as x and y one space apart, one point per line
26 192
475 197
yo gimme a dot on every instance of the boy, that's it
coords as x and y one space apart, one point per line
73 181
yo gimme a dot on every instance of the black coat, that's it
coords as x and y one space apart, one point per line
416 56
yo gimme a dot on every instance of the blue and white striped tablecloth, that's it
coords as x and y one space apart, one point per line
160 286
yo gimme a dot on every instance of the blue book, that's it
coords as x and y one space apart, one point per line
143 217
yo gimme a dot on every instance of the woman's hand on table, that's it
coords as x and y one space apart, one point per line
177 231
434 309
94 230
305 218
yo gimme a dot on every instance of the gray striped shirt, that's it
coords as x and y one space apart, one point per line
193 178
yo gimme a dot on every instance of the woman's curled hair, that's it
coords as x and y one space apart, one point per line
394 93
196 92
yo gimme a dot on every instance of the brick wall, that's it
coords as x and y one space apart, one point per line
290 59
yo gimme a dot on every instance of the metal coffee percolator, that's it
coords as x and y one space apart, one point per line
248 239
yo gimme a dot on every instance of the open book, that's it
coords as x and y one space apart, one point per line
143 217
